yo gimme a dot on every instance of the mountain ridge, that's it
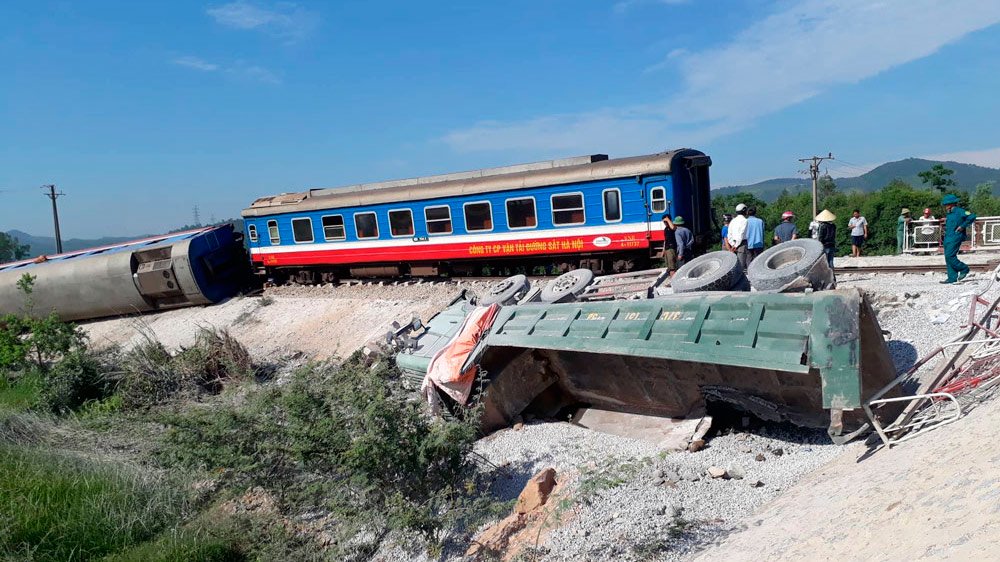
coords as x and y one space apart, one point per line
966 177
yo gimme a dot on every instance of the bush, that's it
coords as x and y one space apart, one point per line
80 377
344 438
149 374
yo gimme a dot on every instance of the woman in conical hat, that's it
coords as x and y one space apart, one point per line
826 233
826 216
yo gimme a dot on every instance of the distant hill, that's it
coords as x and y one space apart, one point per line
46 245
966 176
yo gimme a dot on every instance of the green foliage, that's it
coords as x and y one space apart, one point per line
938 177
78 379
881 209
345 438
11 248
21 393
28 340
59 507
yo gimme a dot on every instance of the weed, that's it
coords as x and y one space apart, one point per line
266 300
607 475
59 507
344 438
21 393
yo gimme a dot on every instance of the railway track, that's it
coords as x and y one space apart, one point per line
919 268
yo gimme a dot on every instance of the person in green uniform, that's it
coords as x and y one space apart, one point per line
956 225
901 222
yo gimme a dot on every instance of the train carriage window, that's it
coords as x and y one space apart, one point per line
521 213
612 205
252 232
478 216
401 222
302 230
333 228
438 219
567 209
366 225
272 233
658 200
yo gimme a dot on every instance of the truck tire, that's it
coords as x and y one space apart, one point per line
780 265
715 271
507 291
567 286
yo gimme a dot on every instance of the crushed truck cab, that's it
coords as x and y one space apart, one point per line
809 358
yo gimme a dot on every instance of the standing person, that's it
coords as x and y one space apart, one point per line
826 233
859 232
956 224
737 235
685 241
927 216
755 235
901 223
786 231
726 218
669 254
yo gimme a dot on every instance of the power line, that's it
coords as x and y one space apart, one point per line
55 213
197 216
814 172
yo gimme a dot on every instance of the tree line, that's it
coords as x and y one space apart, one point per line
881 208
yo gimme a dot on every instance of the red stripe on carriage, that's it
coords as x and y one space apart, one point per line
427 251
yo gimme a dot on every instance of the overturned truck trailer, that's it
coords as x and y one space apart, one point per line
808 358
201 266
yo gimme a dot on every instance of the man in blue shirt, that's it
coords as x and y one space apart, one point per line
956 226
755 235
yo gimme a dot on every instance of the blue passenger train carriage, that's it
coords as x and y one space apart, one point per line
588 211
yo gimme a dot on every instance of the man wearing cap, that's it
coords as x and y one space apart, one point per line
685 241
956 225
786 231
737 235
901 223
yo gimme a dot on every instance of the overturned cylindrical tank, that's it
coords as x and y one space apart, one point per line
194 267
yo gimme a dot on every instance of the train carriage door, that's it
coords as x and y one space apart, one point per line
701 204
656 204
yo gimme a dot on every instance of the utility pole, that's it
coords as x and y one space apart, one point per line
814 172
55 213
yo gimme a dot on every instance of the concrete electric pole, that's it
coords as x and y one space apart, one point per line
55 213
814 172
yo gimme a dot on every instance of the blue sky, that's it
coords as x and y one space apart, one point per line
141 110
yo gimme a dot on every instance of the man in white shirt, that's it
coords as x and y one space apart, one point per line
859 232
737 234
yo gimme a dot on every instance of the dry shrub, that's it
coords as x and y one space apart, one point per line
150 374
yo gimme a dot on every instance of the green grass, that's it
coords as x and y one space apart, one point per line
58 507
21 394
175 545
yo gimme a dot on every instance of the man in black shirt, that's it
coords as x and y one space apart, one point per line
669 244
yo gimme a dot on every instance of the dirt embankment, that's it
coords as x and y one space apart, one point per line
321 321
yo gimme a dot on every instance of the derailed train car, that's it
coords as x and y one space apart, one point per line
194 267
593 212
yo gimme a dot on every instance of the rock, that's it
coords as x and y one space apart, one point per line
716 472
760 457
666 509
735 472
518 426
692 476
778 452
696 445
756 483
745 449
536 491
670 475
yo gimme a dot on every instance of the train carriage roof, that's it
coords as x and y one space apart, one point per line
538 174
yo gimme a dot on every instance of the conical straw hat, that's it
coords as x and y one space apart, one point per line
826 216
